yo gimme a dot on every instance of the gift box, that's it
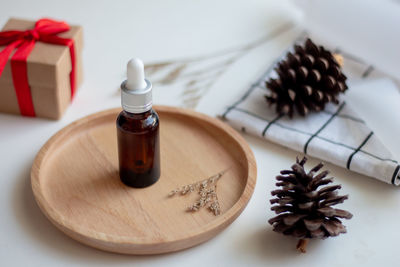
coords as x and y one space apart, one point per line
40 67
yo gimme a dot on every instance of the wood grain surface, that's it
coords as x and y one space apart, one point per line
76 184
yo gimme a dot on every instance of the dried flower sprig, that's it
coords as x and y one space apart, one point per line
198 74
207 190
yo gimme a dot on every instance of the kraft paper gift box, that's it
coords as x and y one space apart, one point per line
48 68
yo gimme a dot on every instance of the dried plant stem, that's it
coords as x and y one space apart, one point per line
186 70
302 245
207 190
191 187
214 206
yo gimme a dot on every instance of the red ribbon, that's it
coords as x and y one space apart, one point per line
46 31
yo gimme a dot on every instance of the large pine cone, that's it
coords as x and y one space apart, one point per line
308 79
304 211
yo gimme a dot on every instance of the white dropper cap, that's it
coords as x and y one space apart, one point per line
136 96
135 73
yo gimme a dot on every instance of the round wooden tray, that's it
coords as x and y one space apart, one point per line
76 184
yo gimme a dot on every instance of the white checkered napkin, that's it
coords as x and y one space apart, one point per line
336 135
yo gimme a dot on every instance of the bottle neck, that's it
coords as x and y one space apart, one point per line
138 116
136 101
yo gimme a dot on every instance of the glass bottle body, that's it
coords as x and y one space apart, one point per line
138 148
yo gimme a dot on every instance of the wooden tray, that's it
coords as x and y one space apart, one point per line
76 184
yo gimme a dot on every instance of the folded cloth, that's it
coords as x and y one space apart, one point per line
336 134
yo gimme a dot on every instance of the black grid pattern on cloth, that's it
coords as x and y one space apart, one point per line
323 126
260 83
358 149
269 123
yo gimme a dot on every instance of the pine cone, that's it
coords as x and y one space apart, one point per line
308 79
304 211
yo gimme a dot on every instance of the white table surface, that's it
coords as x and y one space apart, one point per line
163 30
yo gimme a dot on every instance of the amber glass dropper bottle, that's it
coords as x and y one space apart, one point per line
138 130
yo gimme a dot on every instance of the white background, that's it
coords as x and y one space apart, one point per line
161 30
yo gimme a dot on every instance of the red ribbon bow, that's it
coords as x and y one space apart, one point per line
46 31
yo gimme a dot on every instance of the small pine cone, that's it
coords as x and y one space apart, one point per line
304 210
308 79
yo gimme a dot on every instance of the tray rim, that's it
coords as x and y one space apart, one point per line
89 236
